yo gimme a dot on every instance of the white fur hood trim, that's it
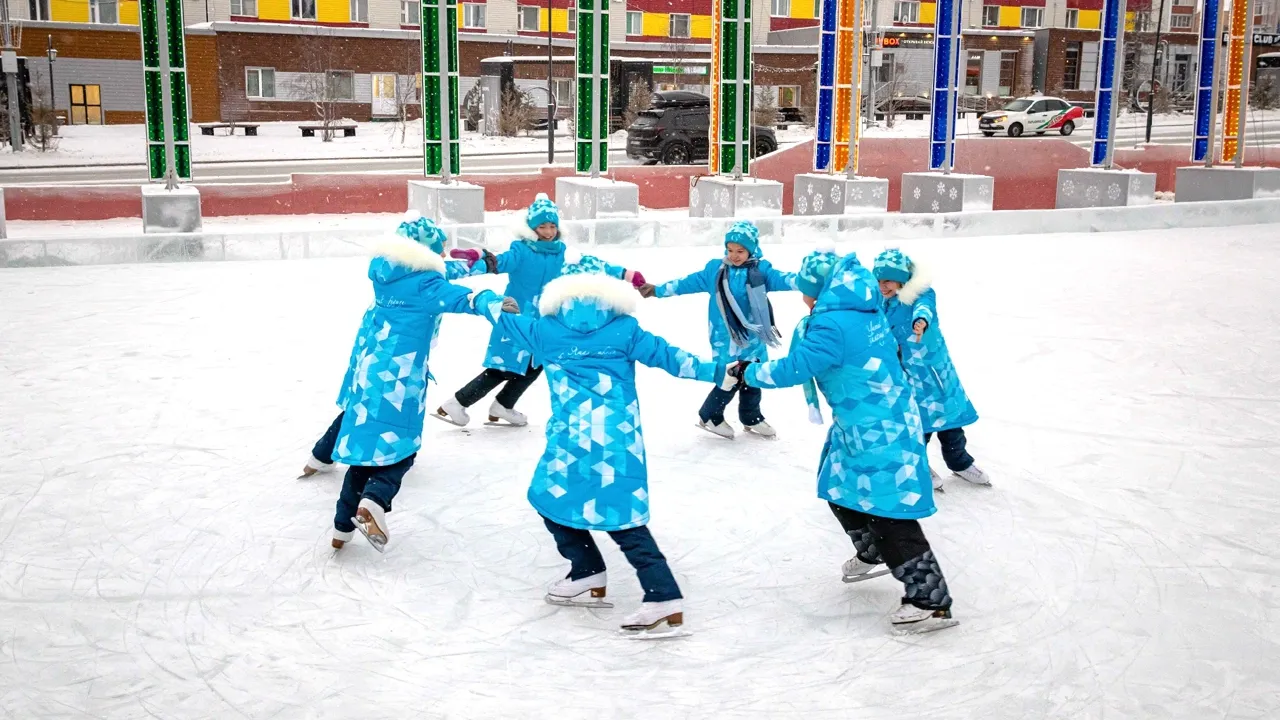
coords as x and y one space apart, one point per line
618 294
921 280
406 252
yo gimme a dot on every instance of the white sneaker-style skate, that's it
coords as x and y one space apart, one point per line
763 429
937 480
453 413
911 620
513 417
314 466
974 475
341 538
723 429
656 620
856 571
588 592
371 521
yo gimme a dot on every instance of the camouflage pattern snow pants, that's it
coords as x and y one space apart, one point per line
901 545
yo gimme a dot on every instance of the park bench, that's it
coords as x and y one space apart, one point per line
310 130
250 129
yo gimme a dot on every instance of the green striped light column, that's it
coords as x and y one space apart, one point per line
731 86
164 73
592 62
440 99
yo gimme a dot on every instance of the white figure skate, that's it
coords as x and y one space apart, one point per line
588 592
911 620
505 417
656 621
453 413
340 538
856 571
763 429
371 521
974 475
313 467
723 429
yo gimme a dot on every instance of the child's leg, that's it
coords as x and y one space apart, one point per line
906 551
323 450
651 566
384 482
482 385
858 527
349 499
579 548
515 387
749 405
712 409
953 449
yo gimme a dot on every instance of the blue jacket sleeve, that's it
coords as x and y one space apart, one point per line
819 351
698 282
455 269
461 299
522 330
507 261
923 308
777 281
649 349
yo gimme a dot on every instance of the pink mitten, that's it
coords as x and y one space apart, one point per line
635 278
471 255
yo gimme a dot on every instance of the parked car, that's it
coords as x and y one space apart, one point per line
1032 114
674 130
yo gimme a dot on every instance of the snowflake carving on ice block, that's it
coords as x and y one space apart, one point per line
954 193
942 188
1068 188
935 206
1113 192
916 192
802 205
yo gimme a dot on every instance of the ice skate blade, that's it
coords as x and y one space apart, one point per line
762 436
865 576
589 603
499 423
378 541
446 419
658 631
700 426
925 626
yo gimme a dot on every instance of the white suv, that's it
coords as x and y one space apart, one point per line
1032 114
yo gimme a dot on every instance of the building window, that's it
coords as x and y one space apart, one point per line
1032 17
86 104
528 19
679 26
104 12
473 15
572 22
410 12
1071 67
304 9
886 67
906 12
244 8
563 88
38 9
1073 18
1180 22
340 85
259 83
1008 68
990 15
780 8
817 9
788 96
359 11
635 23
1184 3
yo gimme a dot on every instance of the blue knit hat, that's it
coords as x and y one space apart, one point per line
744 233
893 265
815 269
543 211
422 231
585 264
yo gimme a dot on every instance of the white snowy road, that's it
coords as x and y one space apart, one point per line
158 559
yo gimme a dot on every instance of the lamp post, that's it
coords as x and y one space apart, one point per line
551 95
52 54
1156 59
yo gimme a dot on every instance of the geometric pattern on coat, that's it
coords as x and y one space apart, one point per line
592 474
874 458
384 391
944 405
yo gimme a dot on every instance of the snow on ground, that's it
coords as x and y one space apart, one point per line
106 144
158 558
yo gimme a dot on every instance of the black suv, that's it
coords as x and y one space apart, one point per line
674 130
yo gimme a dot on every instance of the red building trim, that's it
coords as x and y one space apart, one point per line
787 23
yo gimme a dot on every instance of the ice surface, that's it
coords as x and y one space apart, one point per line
158 559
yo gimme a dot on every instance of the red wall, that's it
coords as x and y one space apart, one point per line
1164 160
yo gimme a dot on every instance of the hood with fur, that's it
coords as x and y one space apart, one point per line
400 256
921 280
587 301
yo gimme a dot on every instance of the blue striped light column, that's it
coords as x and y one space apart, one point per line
1207 83
946 56
1105 107
826 87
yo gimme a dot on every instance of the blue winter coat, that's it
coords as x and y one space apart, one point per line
384 391
942 400
874 458
704 281
529 265
592 474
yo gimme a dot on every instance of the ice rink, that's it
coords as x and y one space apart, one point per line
158 558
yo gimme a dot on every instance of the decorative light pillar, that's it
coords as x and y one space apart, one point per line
838 122
943 190
166 208
442 197
1237 80
1206 112
593 197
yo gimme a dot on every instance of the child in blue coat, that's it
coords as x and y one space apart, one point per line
529 264
911 306
873 472
379 431
739 319
592 475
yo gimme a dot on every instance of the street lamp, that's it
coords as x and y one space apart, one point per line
551 94
52 54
